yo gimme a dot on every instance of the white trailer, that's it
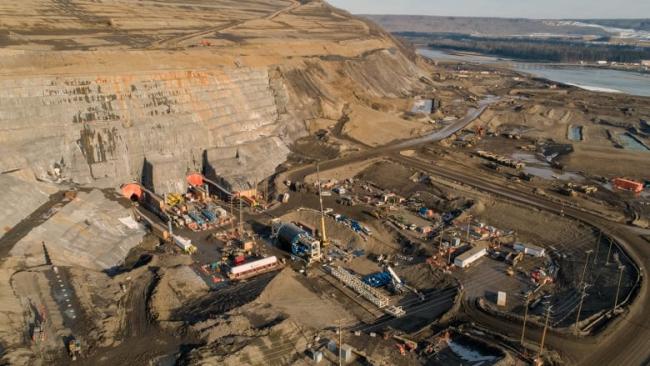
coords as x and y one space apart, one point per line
254 268
184 243
530 249
470 257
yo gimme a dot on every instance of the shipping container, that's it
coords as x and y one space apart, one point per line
628 185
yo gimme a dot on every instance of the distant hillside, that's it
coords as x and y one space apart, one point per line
514 27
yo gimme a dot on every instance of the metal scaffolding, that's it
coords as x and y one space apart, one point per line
361 288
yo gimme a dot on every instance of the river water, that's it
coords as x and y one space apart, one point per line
589 78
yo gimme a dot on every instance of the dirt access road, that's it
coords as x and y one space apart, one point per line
299 174
176 41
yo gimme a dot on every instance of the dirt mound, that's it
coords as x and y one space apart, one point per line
176 287
374 128
277 343
289 295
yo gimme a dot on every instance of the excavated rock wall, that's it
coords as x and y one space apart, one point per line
238 122
106 130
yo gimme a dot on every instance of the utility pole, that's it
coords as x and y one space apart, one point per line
523 328
241 220
609 251
584 270
582 298
469 223
323 235
232 216
618 288
266 191
541 344
340 343
582 285
600 235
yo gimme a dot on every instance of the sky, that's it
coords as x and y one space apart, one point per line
549 9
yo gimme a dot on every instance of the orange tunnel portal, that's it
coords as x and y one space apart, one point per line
132 191
195 179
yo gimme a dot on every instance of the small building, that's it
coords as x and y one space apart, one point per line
645 63
470 256
332 346
347 353
530 249
501 298
316 356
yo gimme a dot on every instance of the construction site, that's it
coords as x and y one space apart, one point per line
248 188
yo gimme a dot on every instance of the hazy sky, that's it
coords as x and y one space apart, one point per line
503 8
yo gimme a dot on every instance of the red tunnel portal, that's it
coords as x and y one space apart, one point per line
195 179
132 191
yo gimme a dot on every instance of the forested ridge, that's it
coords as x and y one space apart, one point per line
547 49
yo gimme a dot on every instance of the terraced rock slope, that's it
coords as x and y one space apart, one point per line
100 93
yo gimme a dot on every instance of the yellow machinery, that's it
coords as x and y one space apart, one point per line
174 199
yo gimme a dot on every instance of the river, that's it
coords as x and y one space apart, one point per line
589 78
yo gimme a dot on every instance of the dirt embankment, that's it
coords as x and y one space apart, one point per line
375 128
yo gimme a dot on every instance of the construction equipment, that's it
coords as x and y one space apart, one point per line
323 234
396 281
408 344
74 348
513 258
38 330
297 240
173 199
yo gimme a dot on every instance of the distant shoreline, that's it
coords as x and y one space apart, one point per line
462 53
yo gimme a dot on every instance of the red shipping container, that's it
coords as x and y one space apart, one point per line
239 260
628 185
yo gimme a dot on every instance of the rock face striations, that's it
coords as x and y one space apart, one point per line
227 91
